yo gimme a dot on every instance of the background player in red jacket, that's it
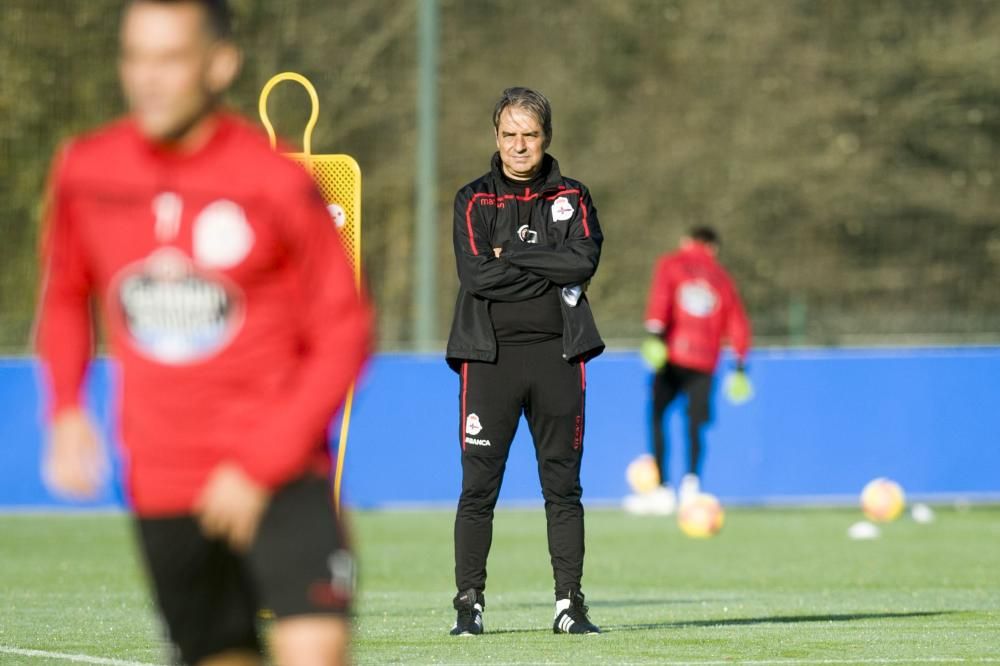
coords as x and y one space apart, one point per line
693 306
231 309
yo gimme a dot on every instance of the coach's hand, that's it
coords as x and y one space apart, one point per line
74 465
230 506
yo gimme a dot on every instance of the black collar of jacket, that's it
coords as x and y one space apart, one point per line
550 166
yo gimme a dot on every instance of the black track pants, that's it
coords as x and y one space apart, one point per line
667 384
536 380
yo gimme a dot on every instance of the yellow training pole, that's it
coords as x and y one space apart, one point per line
339 179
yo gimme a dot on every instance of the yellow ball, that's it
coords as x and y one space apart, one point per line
642 474
882 500
701 516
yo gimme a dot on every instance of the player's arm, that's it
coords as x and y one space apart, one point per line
569 262
658 304
653 349
737 385
73 463
479 270
738 326
335 325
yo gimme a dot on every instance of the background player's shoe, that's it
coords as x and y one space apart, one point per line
469 605
661 501
571 616
689 489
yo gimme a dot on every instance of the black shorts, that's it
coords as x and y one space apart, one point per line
209 596
697 385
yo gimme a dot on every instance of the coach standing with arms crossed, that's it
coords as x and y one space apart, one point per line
527 241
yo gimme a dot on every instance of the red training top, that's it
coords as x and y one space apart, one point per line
693 304
227 297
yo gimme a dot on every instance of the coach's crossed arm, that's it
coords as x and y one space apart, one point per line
479 269
572 261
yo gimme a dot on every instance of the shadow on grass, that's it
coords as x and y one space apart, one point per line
741 621
776 619
619 603
625 603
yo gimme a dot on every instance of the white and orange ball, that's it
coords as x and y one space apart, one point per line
642 474
882 500
701 516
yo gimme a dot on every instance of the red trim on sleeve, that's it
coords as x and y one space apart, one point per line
495 199
465 386
468 224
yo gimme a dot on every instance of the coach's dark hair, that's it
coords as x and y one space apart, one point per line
219 17
531 101
705 234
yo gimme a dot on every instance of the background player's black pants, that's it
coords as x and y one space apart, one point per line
536 380
697 385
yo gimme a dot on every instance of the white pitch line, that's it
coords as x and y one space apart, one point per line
792 662
875 660
106 661
78 658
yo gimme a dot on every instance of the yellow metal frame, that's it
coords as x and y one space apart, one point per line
339 179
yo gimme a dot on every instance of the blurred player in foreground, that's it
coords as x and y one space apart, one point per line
231 309
693 306
527 240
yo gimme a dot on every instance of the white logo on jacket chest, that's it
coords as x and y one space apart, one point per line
167 209
562 210
526 234
173 312
222 236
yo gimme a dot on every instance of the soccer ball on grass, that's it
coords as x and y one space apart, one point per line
882 500
642 474
701 516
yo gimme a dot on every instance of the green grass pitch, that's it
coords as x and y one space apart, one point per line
777 586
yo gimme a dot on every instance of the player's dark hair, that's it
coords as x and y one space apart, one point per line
531 101
219 17
705 234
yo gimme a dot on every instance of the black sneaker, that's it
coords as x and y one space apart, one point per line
469 605
574 620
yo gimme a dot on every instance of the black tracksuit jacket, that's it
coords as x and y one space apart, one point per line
566 252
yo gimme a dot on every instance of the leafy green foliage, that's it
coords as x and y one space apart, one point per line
846 150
